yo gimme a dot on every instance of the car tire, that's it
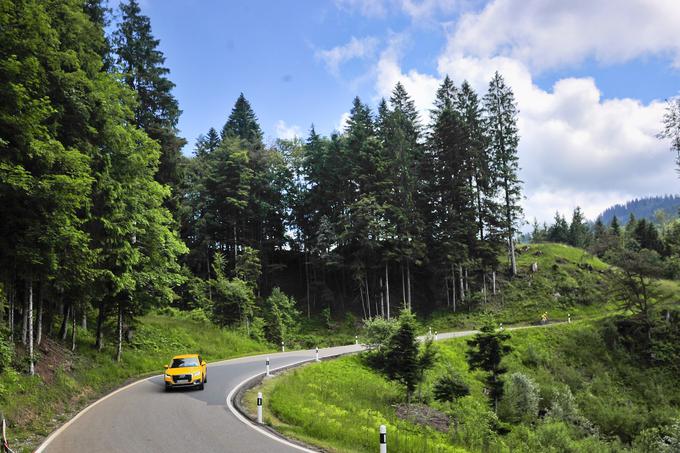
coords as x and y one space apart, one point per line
167 388
202 386
205 379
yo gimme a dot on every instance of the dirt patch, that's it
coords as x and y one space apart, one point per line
53 356
421 414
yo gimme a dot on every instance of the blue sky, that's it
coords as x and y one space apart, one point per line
590 80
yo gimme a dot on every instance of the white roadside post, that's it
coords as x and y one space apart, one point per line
317 354
569 317
383 439
283 347
356 339
436 336
429 332
259 407
268 366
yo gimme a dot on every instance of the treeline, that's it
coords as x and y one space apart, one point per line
368 217
650 208
103 217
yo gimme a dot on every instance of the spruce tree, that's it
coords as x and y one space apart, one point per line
242 123
139 59
501 126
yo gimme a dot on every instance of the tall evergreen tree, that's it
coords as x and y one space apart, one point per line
157 112
579 233
501 124
242 123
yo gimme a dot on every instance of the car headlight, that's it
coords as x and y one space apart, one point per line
167 375
196 373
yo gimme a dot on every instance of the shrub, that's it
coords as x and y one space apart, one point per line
520 402
378 332
281 317
450 386
6 351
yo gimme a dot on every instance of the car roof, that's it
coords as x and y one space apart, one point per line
184 356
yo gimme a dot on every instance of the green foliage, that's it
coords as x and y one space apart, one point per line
233 300
486 351
379 331
281 317
520 399
450 386
248 267
6 351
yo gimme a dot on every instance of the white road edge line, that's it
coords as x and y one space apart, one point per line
254 426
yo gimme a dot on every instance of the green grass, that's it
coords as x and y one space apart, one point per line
339 404
569 281
35 406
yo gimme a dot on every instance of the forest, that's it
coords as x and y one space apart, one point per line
104 217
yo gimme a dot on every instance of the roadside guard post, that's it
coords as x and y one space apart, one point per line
356 339
436 336
259 407
283 347
317 354
267 366
383 439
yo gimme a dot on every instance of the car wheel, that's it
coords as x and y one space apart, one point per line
202 386
205 379
167 388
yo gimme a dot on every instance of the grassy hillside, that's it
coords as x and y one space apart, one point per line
66 381
569 281
593 397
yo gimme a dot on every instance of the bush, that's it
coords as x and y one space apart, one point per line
520 402
6 351
281 317
665 439
450 386
378 332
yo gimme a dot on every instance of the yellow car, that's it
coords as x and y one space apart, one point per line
188 370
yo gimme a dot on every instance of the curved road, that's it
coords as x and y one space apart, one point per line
143 418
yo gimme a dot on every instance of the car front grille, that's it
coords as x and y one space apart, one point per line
178 377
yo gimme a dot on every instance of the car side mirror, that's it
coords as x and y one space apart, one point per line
166 366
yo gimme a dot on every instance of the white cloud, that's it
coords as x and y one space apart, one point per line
342 123
355 48
553 33
416 9
287 132
575 148
421 87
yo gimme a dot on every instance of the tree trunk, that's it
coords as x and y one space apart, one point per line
448 293
493 281
64 323
467 281
513 261
84 323
484 286
73 331
207 263
119 345
235 251
460 281
403 286
29 315
38 334
368 296
12 295
100 327
361 296
382 299
408 283
453 287
306 258
387 289
24 320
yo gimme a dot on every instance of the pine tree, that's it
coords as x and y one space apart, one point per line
139 59
579 233
486 352
501 125
242 123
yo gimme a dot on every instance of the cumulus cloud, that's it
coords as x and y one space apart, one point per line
286 131
355 48
546 34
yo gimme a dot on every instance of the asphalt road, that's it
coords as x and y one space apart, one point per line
144 418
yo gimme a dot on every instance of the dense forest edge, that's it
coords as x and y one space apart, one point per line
113 242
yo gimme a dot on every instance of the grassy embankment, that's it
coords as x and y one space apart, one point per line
593 398
66 382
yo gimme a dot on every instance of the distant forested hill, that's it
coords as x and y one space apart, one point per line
643 208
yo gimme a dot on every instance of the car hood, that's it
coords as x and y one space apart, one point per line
183 370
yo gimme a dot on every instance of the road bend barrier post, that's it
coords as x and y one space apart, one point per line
259 407
383 439
268 367
356 339
317 354
283 347
436 336
569 318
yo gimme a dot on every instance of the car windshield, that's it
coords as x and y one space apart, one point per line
183 363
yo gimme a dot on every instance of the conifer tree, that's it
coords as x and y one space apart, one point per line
501 125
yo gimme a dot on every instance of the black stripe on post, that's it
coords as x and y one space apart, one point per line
383 438
259 401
